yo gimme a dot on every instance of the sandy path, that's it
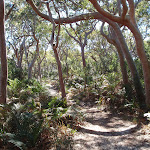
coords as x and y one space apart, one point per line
104 131
51 90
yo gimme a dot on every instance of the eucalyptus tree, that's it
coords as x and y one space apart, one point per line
127 18
112 39
40 59
120 15
102 53
16 41
80 34
134 73
65 47
3 59
24 34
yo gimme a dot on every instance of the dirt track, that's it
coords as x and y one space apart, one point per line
106 131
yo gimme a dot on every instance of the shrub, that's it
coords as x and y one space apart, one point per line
14 71
14 87
22 124
24 89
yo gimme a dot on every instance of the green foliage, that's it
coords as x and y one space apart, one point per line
24 89
55 102
14 87
56 108
113 77
22 124
14 71
8 138
73 81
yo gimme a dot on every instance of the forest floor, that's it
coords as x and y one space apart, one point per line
105 130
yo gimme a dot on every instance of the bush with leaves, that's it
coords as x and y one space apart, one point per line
21 124
14 71
26 125
25 89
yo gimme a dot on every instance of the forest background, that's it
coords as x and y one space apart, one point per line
93 49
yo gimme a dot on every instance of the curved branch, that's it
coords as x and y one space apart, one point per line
106 36
125 8
105 13
10 10
87 33
72 36
75 32
36 10
95 15
119 7
132 11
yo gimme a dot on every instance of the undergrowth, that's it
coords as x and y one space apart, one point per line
34 120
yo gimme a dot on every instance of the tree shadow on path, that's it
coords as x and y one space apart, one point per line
113 133
108 131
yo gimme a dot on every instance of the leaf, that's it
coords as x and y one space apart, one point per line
10 135
18 144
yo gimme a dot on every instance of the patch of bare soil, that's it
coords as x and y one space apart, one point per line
108 131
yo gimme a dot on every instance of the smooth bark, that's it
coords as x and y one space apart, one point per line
134 73
126 20
3 73
112 39
130 22
31 64
61 82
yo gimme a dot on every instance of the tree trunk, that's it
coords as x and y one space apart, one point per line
39 71
84 66
29 73
135 76
3 73
30 66
21 56
61 82
144 61
122 65
83 56
123 70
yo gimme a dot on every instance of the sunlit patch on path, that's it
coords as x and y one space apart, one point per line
51 90
106 131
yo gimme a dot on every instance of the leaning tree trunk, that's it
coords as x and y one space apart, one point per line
3 73
123 70
61 82
135 76
143 58
134 73
112 39
122 65
30 66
